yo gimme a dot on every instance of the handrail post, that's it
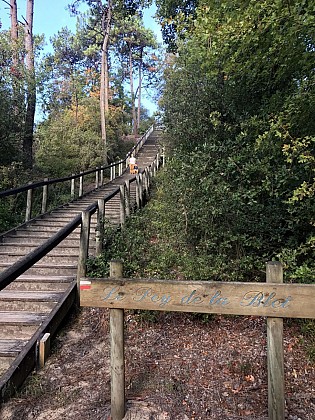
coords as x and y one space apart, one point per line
158 160
102 177
117 354
29 203
127 197
84 247
275 356
122 205
146 181
141 189
100 226
72 186
138 202
112 172
81 185
45 197
97 182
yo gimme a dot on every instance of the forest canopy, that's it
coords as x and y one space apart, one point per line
239 113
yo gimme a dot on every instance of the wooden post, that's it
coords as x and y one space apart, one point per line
147 172
81 186
122 205
117 357
72 187
158 160
100 226
141 189
163 156
102 177
97 182
29 204
45 197
84 247
138 201
44 349
275 357
127 197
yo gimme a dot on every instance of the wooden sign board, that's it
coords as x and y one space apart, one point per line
261 299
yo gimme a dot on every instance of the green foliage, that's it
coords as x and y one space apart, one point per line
238 105
69 142
174 17
153 244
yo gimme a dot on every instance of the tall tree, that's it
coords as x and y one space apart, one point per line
14 31
102 17
134 41
30 85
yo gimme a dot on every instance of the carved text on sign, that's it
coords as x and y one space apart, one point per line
261 299
251 298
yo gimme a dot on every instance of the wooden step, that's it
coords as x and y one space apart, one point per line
11 347
47 269
21 318
63 258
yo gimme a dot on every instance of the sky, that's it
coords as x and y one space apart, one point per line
50 16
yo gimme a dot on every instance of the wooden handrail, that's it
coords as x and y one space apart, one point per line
99 180
34 185
19 267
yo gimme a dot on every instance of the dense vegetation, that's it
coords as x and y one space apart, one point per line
239 102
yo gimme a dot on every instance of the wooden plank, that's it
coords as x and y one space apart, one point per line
261 299
11 347
21 318
30 295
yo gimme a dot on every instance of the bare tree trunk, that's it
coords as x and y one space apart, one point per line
15 71
132 93
31 86
139 89
104 89
14 32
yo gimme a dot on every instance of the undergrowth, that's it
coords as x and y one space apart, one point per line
153 244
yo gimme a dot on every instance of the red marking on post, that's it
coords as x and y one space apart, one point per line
85 285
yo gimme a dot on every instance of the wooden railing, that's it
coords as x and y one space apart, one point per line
143 183
76 182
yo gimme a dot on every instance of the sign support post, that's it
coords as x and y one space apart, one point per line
275 358
117 356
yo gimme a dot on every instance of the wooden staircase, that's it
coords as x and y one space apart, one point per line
37 301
